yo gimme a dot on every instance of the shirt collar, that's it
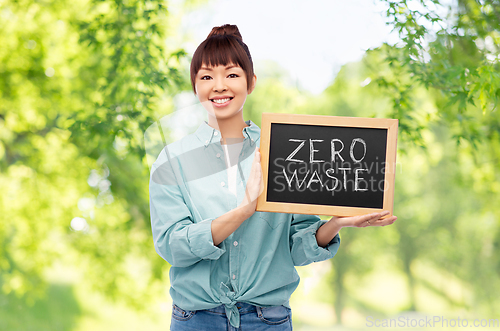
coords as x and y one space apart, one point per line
206 134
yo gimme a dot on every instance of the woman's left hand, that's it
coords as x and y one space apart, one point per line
361 221
328 230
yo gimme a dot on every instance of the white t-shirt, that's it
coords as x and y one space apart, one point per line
232 153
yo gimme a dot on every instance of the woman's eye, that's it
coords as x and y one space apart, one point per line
233 76
205 78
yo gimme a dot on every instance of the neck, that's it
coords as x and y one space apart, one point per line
231 129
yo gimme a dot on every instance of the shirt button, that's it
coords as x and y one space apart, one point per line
216 133
234 276
253 141
222 184
206 142
235 243
218 155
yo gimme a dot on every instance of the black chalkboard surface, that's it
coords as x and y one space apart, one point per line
327 164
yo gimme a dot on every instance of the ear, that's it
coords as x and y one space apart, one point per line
252 86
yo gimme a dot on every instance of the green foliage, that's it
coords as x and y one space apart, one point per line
126 57
453 50
442 83
79 84
444 200
58 311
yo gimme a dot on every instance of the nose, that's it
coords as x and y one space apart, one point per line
219 85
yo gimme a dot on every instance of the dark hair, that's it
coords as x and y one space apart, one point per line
224 45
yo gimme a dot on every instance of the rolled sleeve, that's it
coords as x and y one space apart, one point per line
201 241
304 246
178 238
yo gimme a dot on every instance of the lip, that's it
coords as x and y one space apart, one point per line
221 97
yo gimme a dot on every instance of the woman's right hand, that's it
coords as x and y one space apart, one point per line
254 186
227 223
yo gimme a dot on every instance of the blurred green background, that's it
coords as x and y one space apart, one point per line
82 80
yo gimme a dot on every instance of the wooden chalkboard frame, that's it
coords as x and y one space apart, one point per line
339 121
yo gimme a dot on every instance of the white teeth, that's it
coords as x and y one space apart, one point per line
221 100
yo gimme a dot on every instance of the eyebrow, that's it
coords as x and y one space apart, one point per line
227 68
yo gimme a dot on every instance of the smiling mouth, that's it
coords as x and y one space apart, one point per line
221 101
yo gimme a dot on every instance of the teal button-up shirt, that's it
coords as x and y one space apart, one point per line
255 264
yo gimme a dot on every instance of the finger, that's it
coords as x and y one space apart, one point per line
368 217
358 221
261 186
379 215
256 167
384 222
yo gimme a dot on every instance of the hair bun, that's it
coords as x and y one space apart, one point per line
226 29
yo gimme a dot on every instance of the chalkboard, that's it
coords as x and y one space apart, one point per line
327 165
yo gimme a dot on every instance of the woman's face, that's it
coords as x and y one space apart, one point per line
222 90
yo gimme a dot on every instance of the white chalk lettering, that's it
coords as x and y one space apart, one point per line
345 176
334 151
290 180
354 141
312 180
312 150
327 172
357 179
305 168
289 158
